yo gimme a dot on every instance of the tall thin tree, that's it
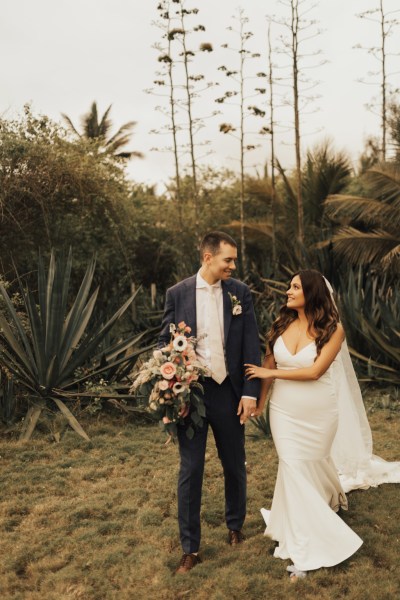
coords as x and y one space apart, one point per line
272 143
386 24
184 88
300 30
241 96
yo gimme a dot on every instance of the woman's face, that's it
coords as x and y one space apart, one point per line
295 295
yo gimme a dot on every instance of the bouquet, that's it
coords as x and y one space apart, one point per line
169 380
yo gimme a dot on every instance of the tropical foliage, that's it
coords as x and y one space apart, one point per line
98 130
56 192
371 314
52 349
368 228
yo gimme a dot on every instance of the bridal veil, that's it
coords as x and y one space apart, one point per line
352 452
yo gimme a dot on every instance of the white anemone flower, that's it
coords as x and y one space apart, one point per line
180 343
178 388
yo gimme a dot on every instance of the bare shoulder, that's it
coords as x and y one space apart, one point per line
337 336
340 331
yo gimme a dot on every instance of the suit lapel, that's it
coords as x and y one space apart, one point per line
226 288
190 304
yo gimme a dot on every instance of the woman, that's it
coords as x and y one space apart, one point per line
302 347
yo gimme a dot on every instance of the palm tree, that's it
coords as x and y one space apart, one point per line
95 129
325 172
368 229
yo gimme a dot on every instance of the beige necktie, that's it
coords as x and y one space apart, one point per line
218 368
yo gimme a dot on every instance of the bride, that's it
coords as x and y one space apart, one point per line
319 427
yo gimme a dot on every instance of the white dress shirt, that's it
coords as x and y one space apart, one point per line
203 292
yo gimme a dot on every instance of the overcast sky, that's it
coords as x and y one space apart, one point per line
60 55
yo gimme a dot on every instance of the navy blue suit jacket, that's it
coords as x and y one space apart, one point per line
242 343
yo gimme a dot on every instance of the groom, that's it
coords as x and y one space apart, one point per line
221 310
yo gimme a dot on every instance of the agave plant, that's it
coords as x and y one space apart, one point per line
51 350
371 314
7 398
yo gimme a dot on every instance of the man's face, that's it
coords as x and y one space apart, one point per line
221 265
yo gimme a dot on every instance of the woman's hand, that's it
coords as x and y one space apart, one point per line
257 412
254 372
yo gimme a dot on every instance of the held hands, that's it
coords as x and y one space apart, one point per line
258 411
254 372
246 409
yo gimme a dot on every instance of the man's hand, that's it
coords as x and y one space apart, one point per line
246 408
183 413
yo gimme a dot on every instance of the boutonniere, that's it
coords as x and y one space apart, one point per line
236 305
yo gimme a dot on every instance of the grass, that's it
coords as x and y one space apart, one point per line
98 521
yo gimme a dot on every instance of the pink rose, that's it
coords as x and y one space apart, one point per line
163 384
168 370
181 325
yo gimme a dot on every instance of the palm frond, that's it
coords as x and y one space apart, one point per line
70 124
130 154
288 186
366 210
392 258
384 182
105 124
363 247
123 132
254 231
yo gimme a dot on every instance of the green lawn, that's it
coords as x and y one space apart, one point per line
98 521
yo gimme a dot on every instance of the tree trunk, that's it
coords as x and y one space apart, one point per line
271 127
190 124
295 44
383 84
242 191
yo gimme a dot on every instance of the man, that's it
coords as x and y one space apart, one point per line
220 311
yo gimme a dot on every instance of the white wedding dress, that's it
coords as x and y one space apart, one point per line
304 420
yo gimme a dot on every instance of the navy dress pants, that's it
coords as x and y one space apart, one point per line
221 407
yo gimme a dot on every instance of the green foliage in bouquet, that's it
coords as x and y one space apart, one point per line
168 381
50 350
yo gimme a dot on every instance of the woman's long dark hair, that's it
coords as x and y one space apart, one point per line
319 309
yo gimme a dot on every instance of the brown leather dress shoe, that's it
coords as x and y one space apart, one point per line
235 537
188 561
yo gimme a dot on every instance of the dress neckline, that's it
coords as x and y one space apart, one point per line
298 351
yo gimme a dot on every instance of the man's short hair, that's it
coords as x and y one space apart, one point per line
211 242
